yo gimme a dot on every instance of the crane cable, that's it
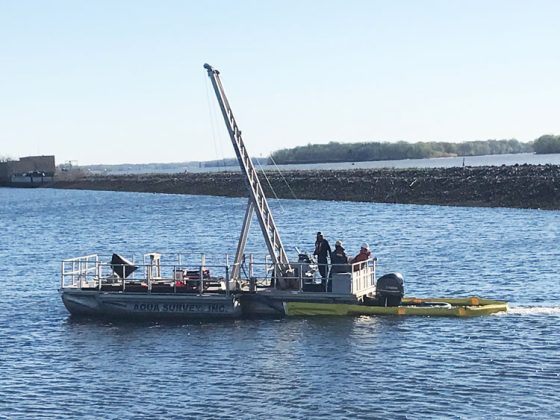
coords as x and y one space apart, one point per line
270 185
283 178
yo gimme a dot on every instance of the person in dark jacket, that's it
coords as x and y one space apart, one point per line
339 260
322 250
339 263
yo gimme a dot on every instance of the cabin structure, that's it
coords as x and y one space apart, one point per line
29 171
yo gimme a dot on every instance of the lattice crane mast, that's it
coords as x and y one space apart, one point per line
257 200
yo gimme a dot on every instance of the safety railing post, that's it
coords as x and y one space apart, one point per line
149 277
175 271
227 272
227 280
251 268
300 276
201 281
252 279
374 272
98 274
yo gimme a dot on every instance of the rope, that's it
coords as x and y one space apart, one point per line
283 178
270 185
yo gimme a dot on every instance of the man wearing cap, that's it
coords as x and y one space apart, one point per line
322 250
339 263
339 259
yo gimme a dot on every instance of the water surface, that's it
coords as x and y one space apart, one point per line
504 366
444 162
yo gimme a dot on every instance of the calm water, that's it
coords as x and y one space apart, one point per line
447 162
504 366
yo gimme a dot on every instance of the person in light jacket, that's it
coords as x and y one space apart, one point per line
363 255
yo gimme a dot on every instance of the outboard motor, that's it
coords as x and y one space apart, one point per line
307 265
390 289
306 269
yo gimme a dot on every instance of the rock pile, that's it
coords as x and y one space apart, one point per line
521 186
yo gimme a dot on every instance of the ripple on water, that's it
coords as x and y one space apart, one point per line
53 366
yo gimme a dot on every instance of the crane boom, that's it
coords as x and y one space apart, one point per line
257 200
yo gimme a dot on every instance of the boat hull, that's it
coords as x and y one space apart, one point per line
117 305
152 305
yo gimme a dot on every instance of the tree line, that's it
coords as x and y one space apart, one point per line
548 143
371 151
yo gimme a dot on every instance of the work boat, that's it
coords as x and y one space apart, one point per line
155 285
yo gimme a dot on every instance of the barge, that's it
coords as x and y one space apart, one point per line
181 289
171 286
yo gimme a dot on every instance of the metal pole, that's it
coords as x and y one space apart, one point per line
201 274
201 282
243 239
227 280
300 277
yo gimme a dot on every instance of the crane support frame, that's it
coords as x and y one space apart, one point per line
258 203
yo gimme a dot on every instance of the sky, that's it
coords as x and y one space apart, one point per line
107 82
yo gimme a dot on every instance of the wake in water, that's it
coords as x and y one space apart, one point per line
534 310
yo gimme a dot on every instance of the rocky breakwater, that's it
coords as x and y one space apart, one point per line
521 186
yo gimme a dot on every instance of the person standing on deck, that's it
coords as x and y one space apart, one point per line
363 255
339 263
322 250
339 260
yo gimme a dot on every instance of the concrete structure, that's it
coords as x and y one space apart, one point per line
30 170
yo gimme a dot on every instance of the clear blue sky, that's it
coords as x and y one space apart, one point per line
122 81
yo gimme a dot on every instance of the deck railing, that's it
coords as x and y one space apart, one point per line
90 272
306 276
79 270
363 276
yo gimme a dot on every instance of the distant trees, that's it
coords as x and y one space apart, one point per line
359 152
548 143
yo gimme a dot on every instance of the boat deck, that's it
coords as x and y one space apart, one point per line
90 287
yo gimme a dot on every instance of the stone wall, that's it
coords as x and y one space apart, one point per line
521 186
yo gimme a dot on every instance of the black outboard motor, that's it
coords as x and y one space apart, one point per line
390 289
303 257
307 266
306 270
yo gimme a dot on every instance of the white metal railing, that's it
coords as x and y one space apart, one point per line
90 272
363 276
80 270
306 276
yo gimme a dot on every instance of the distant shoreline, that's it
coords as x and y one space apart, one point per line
233 165
517 186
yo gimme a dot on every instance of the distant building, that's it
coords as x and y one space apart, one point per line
28 171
